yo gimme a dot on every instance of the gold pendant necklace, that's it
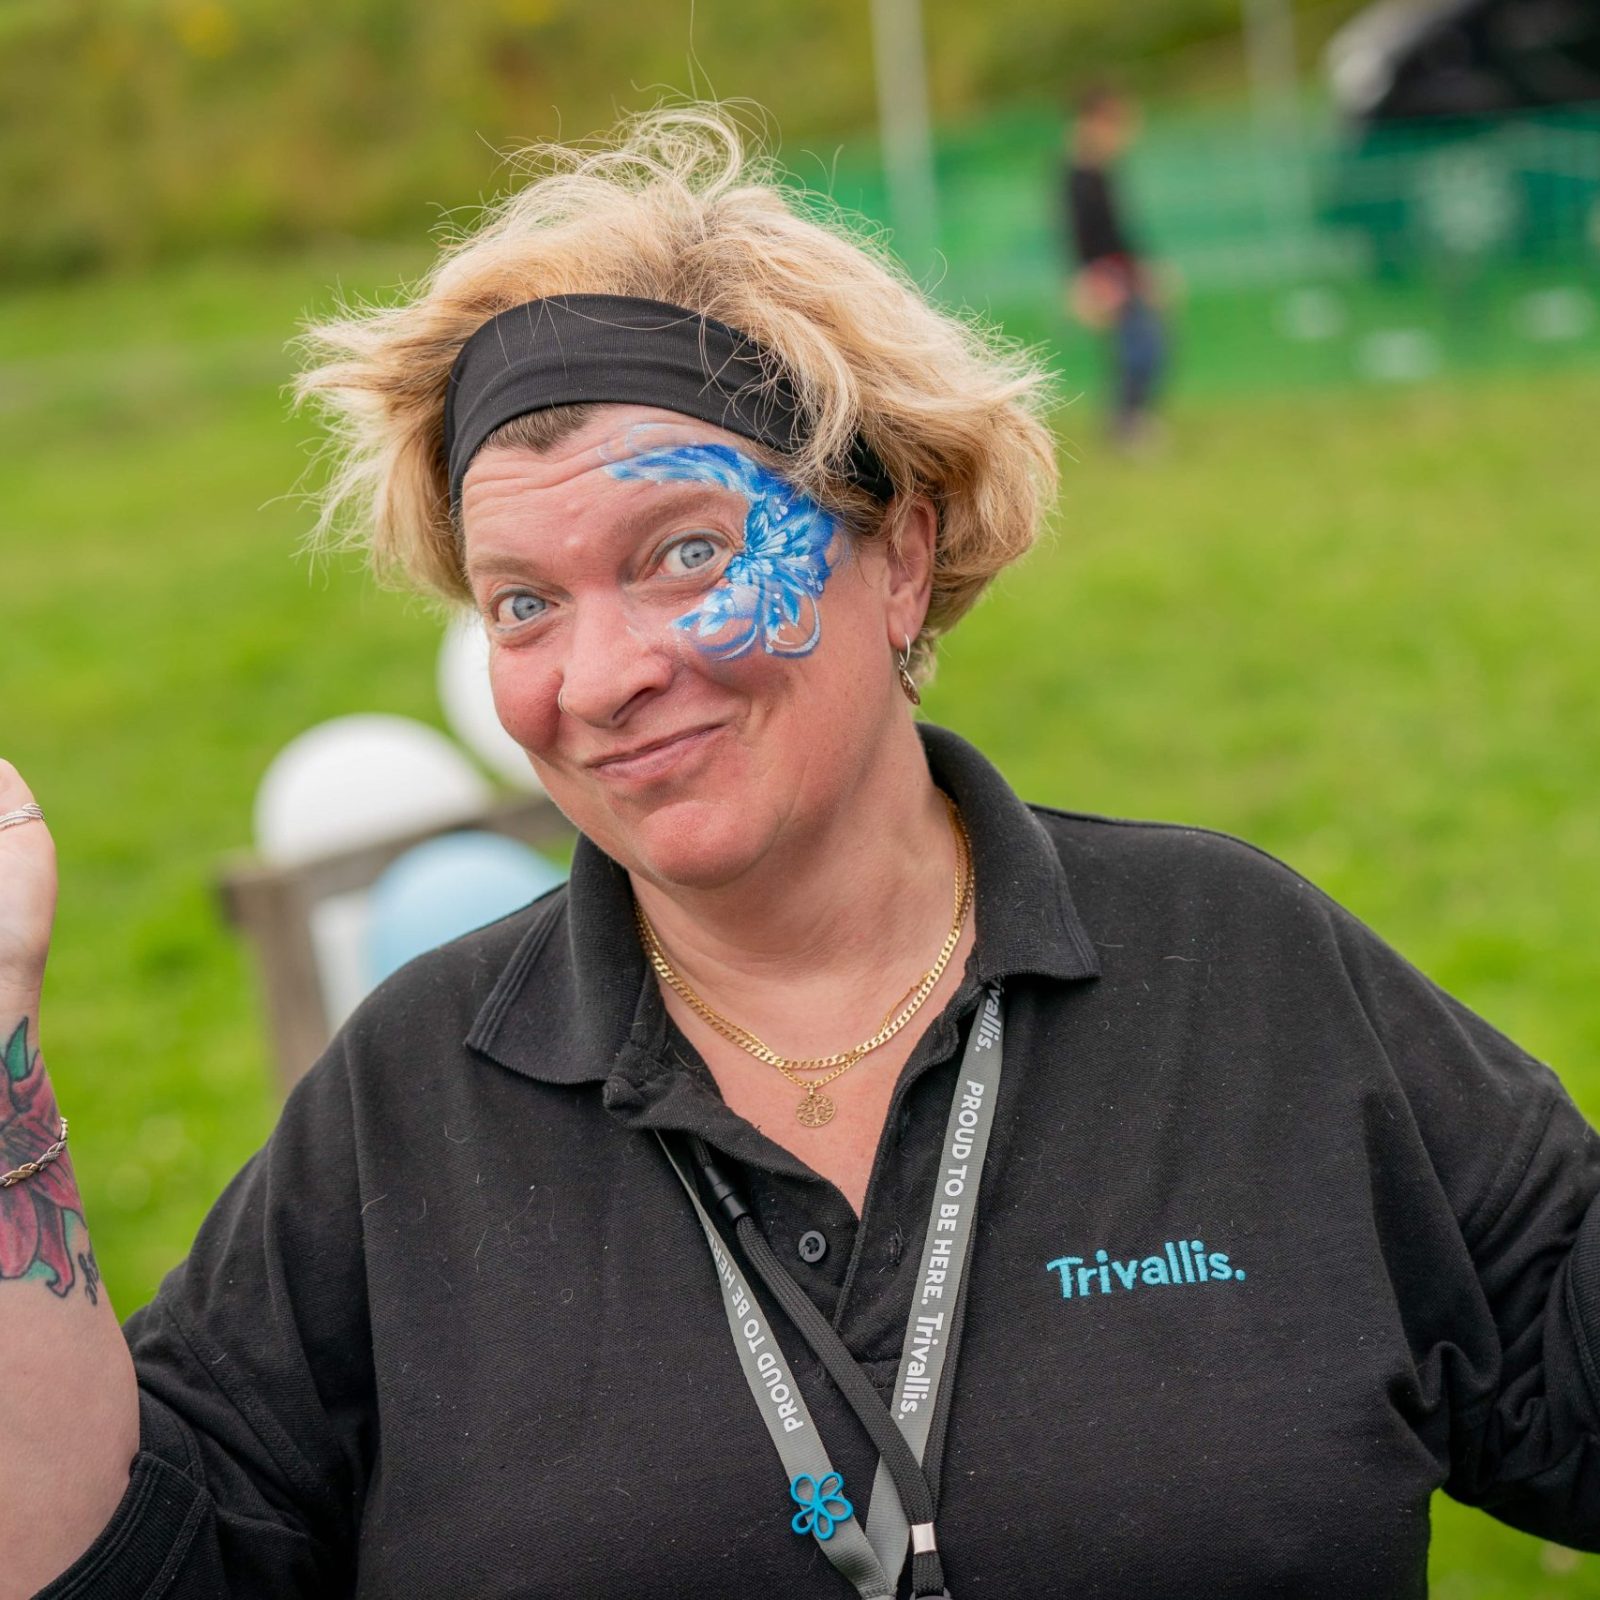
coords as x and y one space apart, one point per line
817 1110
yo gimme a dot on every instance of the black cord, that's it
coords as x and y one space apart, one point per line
912 1485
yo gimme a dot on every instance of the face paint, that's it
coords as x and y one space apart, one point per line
769 589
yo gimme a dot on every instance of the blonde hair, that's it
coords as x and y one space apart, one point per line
678 208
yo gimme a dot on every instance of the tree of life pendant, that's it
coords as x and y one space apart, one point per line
815 1111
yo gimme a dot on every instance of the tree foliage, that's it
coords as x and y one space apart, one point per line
136 128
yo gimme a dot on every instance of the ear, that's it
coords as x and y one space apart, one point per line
911 534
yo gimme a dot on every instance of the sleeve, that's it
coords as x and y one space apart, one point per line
255 1384
1485 1185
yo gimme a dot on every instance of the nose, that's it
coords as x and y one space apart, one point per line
612 664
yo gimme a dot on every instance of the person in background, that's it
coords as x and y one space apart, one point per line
1112 289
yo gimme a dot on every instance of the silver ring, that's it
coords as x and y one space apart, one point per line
561 704
15 819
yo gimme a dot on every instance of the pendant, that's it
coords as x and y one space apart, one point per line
815 1111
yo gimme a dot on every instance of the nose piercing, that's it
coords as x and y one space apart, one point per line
561 703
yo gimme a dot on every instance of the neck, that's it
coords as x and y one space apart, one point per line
826 925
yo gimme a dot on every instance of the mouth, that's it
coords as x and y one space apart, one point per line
655 757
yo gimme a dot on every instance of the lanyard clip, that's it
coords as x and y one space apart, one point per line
728 1202
924 1544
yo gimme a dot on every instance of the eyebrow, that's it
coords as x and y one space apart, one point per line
630 526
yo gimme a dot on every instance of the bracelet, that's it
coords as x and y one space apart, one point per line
31 1169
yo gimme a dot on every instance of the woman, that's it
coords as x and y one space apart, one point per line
855 1180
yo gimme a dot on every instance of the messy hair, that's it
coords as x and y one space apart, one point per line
682 206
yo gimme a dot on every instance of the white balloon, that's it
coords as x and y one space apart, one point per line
356 780
469 706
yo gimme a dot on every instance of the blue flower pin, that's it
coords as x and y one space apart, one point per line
822 1504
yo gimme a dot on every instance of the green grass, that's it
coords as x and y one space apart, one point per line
1354 627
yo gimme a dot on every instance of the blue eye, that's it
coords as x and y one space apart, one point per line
509 610
687 555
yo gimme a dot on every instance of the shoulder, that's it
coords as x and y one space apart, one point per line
432 1001
1196 905
1153 893
1159 864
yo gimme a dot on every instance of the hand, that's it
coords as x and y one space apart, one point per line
1096 297
27 901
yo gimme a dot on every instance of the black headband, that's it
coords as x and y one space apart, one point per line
586 349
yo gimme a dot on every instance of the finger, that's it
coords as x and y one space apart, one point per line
27 897
13 791
16 797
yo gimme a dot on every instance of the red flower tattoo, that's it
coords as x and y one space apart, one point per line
34 1212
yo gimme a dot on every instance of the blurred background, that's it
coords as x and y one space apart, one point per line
1322 282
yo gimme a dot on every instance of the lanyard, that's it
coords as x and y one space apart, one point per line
869 1557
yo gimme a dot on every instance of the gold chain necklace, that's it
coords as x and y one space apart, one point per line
816 1110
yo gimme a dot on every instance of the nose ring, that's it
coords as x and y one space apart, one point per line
561 703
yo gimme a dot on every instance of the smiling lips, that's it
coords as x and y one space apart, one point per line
654 758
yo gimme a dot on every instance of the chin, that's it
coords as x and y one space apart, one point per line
690 843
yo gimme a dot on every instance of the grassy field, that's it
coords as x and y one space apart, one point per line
1357 628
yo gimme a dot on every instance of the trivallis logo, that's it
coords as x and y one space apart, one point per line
1180 1262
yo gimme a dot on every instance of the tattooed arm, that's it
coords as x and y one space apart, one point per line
69 1423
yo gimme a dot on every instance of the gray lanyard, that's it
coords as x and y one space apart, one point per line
870 1558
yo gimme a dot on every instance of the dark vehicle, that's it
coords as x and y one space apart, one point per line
1472 130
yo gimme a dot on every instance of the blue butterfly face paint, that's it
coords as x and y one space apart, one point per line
769 590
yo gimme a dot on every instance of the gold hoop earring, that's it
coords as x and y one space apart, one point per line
908 684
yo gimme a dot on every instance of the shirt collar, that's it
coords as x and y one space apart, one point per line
573 1000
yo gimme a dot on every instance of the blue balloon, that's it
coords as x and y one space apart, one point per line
447 887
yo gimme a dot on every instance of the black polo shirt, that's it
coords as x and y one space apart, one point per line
1275 1239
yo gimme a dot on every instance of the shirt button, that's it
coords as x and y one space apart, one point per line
813 1247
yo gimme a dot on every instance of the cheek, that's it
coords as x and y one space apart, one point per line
525 699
